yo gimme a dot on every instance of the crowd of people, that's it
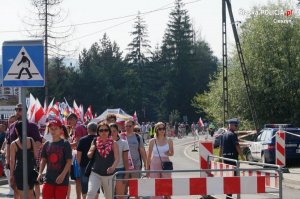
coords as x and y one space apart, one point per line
90 154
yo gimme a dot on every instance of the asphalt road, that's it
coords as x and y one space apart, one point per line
184 159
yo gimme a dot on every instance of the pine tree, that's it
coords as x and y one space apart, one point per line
138 58
176 56
139 47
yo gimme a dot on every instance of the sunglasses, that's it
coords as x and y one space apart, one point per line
18 109
103 130
137 130
161 129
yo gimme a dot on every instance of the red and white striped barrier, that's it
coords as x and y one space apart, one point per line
272 179
221 166
205 149
197 186
280 148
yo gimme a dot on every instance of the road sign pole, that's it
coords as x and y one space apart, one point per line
20 95
24 143
23 66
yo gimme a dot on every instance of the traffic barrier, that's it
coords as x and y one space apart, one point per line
197 186
272 179
280 148
202 186
205 149
221 166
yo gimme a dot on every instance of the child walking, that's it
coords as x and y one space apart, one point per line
57 154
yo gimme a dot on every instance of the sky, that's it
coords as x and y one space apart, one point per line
205 16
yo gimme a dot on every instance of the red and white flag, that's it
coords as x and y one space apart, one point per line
38 112
200 122
88 116
54 110
135 118
49 107
31 107
76 109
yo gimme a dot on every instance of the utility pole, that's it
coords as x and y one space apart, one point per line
250 96
225 67
46 52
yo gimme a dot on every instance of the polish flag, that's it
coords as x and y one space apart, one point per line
48 108
88 116
200 122
54 109
38 112
76 109
31 107
135 116
45 107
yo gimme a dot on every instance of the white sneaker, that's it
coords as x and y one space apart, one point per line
10 193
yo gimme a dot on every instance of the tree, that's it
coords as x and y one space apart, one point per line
174 117
101 73
49 14
271 53
187 63
176 53
139 47
138 58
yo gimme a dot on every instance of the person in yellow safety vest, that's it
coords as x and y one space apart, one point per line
152 132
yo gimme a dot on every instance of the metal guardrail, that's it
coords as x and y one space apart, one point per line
238 170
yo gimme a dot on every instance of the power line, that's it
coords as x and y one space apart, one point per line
105 20
96 32
108 28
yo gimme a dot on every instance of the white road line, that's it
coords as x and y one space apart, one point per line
188 156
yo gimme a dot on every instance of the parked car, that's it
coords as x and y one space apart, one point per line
262 148
217 137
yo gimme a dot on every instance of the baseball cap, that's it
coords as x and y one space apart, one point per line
55 122
233 121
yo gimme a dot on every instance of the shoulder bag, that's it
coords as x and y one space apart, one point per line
165 165
89 166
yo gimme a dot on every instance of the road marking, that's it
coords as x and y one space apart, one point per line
188 156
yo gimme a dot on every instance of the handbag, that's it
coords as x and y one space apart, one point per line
35 174
88 169
165 165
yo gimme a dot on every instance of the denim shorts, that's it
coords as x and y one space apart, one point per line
121 175
84 180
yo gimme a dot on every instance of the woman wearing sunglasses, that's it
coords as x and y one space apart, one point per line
160 148
105 152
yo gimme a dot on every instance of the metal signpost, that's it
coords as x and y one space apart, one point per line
23 66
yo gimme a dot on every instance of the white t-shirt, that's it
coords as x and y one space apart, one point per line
123 147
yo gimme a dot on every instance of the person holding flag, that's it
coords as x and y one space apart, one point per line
200 125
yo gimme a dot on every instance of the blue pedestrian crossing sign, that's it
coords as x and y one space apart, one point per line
23 63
